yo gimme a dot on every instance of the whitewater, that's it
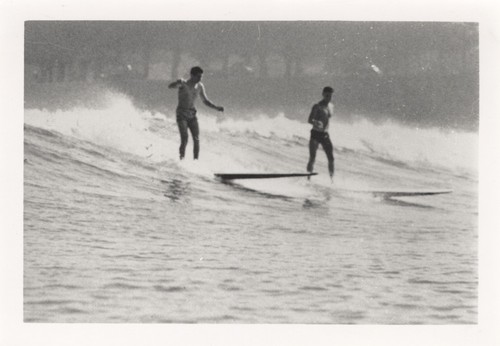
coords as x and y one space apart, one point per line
117 229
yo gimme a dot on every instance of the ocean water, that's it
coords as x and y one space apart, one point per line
117 229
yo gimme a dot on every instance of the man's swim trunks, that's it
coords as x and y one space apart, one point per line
186 114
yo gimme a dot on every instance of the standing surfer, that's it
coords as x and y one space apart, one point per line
319 118
186 112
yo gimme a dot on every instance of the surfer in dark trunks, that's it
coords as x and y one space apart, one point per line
319 118
186 112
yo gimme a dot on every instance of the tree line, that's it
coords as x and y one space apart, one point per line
79 50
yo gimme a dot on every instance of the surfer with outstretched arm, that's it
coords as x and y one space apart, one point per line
320 115
186 112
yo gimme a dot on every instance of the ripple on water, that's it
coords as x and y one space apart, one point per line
52 302
72 311
227 287
219 319
242 308
435 282
54 286
407 306
335 285
389 272
121 285
446 318
169 289
348 316
451 291
313 288
445 308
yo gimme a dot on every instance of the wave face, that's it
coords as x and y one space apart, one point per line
125 128
117 229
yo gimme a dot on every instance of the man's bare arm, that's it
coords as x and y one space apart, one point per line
207 102
175 84
311 115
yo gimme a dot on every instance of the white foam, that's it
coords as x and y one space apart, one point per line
126 128
389 140
120 126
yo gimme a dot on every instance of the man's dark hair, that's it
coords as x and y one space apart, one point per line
196 70
328 89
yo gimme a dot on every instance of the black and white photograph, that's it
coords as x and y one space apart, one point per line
248 171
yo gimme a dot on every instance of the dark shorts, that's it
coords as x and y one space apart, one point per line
186 119
184 114
319 136
322 138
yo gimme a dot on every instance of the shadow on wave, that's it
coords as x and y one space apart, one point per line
257 192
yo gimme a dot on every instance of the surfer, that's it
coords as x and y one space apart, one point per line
320 115
186 112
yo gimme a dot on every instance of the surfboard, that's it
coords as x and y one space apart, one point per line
409 193
233 176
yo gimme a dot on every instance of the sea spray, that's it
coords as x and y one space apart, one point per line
155 136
